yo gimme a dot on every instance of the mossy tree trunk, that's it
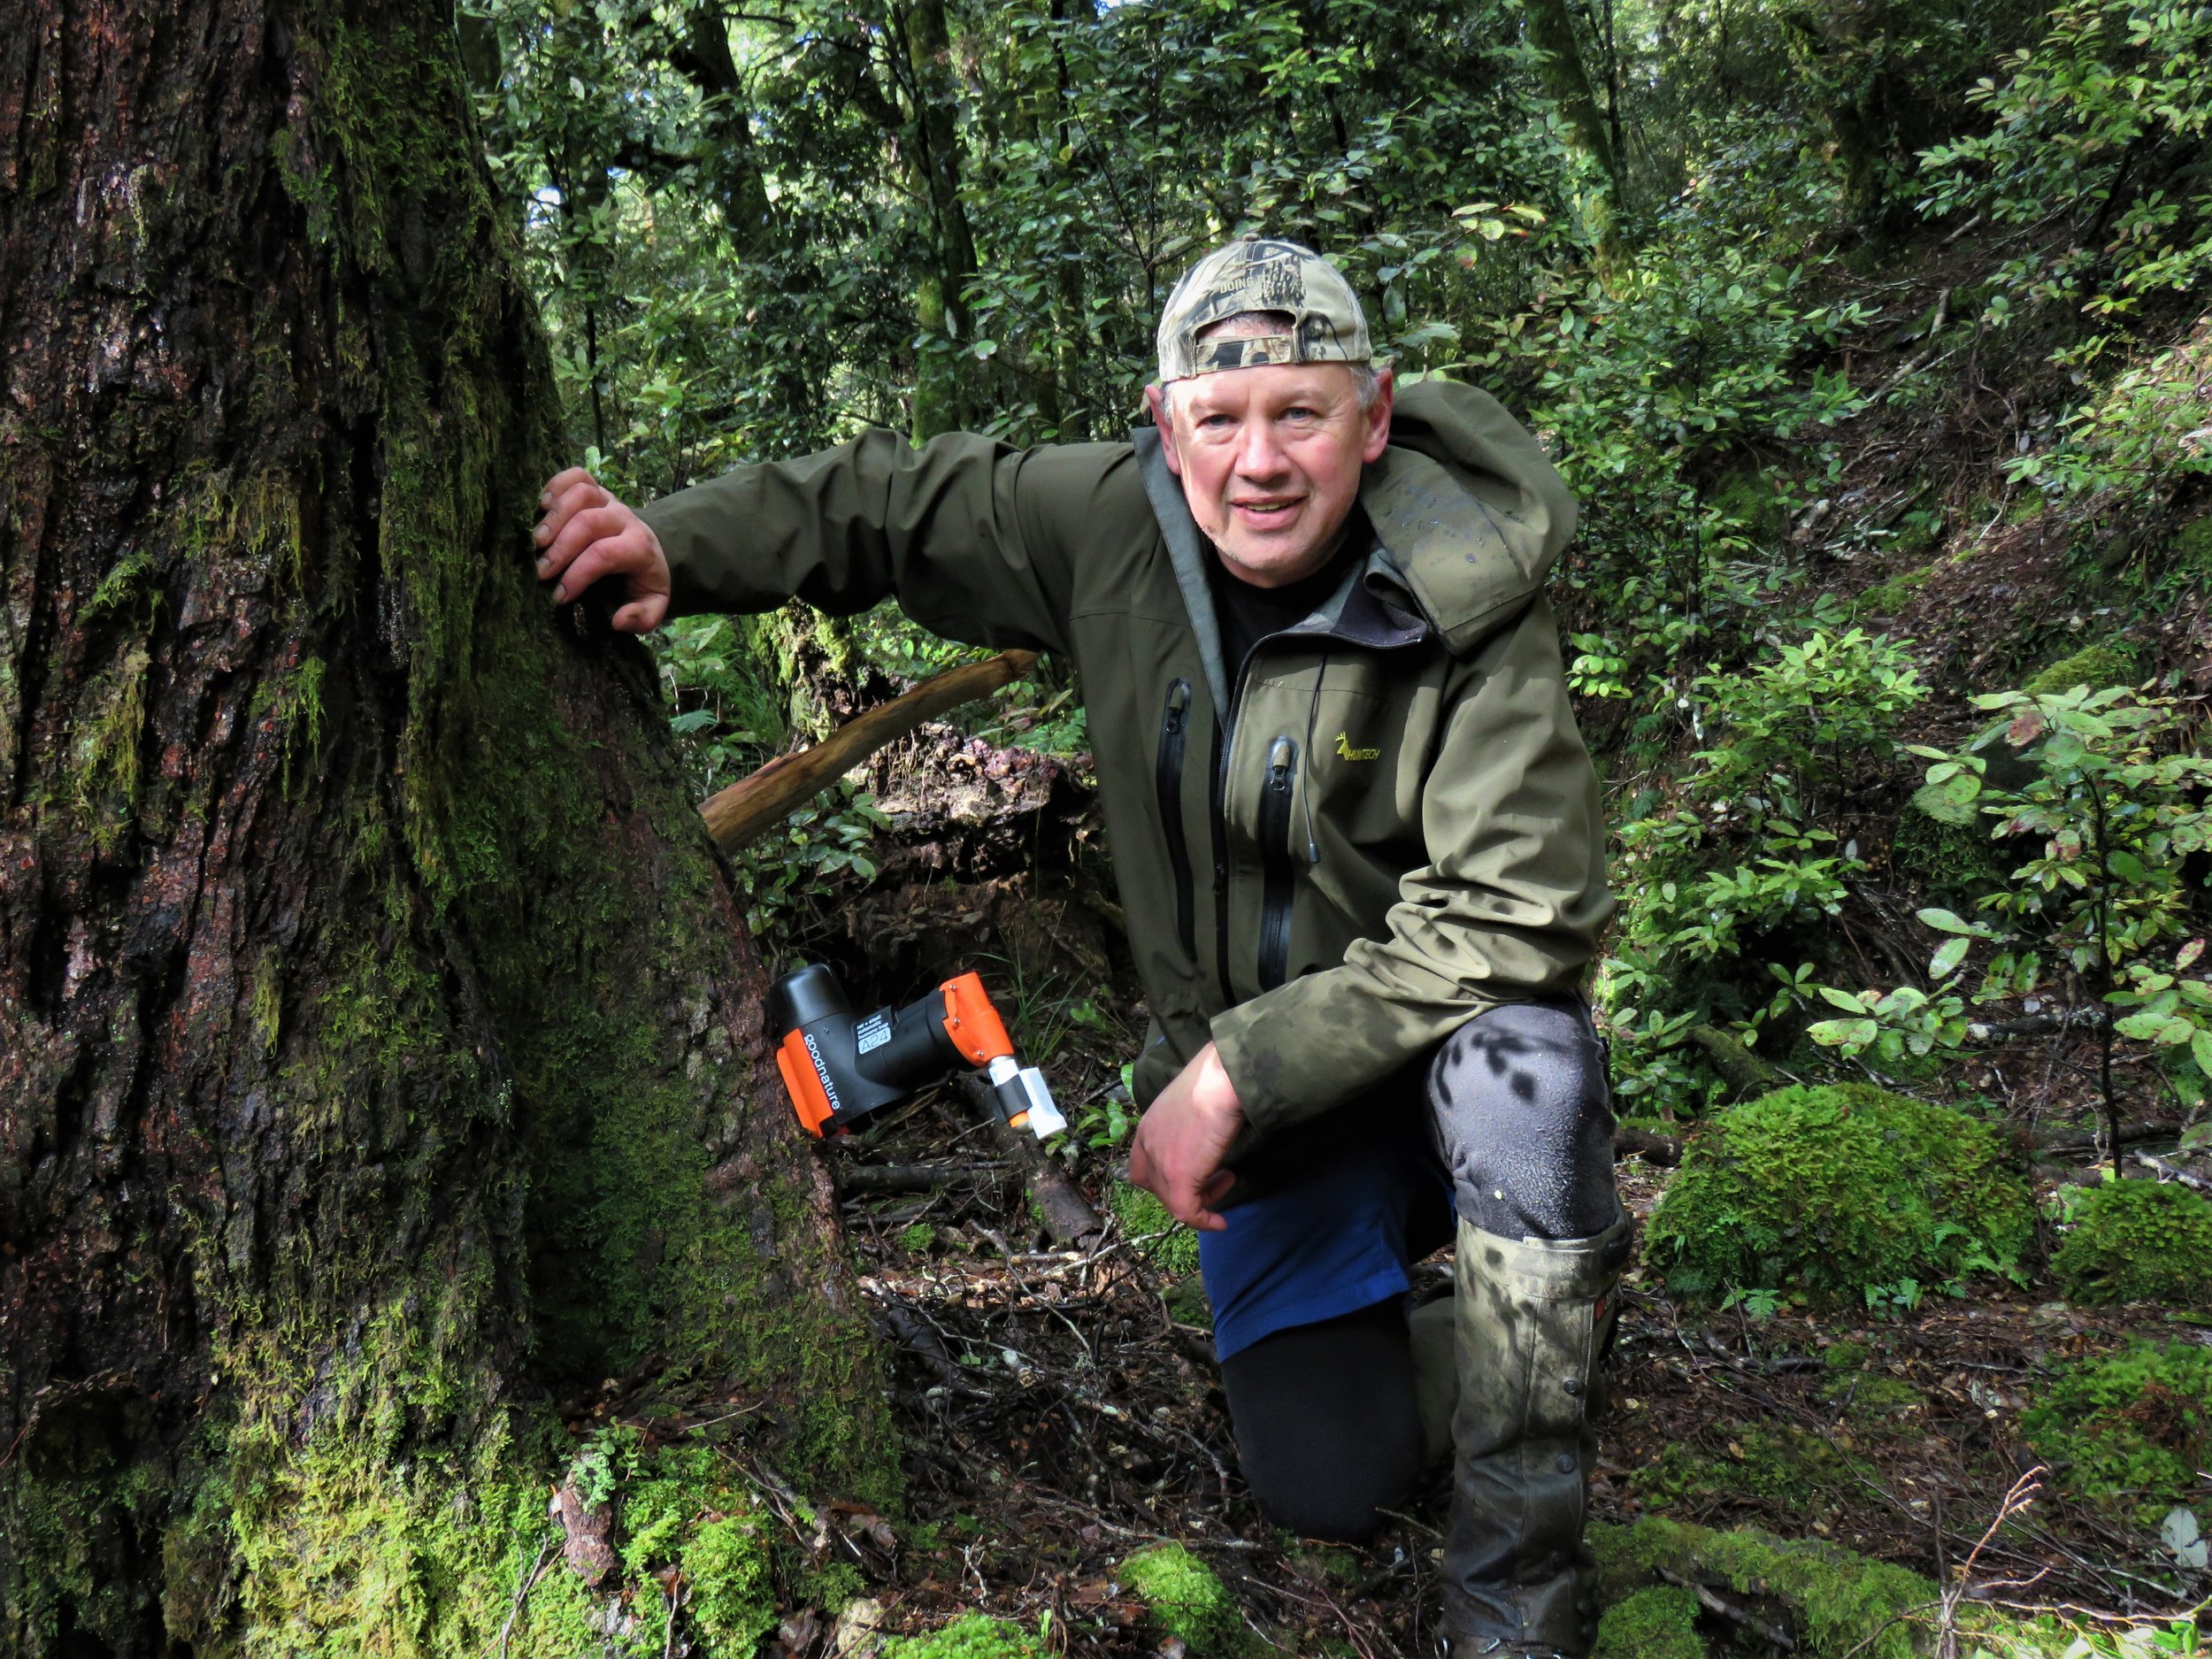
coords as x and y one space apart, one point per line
1566 80
380 1056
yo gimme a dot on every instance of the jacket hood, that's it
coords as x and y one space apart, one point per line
1468 512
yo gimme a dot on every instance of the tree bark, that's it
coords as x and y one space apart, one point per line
935 164
380 1054
1566 79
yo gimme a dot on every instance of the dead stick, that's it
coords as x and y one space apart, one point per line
1066 1214
1750 1621
737 814
909 1177
1665 1149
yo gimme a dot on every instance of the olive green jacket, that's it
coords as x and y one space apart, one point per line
1402 826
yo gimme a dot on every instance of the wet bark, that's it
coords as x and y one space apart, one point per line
380 1055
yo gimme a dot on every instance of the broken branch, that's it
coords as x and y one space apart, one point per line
735 816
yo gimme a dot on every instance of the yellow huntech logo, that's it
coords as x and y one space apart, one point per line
1344 748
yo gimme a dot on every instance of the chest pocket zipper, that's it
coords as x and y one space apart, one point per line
1276 867
1168 780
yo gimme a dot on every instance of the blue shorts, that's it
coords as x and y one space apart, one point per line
1341 1208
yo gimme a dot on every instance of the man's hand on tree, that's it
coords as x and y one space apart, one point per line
1182 1139
586 534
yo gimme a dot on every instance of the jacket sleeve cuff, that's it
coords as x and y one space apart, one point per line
1308 1047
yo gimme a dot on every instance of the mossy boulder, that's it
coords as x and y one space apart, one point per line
2138 1242
2107 662
1186 1600
970 1636
2131 1430
1657 1623
1837 1190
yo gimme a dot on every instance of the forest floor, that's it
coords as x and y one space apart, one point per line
1060 1411
1060 1407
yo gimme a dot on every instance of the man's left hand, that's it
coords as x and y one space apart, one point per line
1183 1138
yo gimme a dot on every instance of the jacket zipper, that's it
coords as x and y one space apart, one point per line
1216 823
1277 882
1168 779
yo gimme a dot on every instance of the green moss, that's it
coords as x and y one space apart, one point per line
918 1237
1835 1190
2192 547
1747 500
2129 1431
1168 1244
1888 597
1872 1397
1943 847
1186 1600
2138 1242
970 1636
2107 662
104 752
1840 1603
1656 1622
1780 1465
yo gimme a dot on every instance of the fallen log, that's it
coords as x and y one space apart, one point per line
735 816
1653 1149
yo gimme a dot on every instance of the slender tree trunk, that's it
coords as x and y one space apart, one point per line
939 303
1551 30
380 1058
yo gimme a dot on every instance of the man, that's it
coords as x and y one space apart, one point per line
1358 843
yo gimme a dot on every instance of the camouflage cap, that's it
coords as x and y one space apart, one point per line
1262 274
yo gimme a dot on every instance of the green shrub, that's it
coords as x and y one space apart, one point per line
2138 1242
970 1636
1659 1623
1169 1245
2129 1431
1842 1190
1186 1600
2107 662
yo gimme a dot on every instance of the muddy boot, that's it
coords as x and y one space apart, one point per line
1533 1316
1432 1332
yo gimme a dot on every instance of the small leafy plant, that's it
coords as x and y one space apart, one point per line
2102 826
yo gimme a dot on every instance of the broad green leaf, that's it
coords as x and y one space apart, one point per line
2126 865
1944 921
1947 958
1842 999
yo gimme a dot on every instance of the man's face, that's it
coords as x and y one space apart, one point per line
1270 459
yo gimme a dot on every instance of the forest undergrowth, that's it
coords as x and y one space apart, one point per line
1878 365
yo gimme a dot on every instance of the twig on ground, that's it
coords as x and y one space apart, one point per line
2016 1499
911 1178
1714 1602
2172 1171
522 1593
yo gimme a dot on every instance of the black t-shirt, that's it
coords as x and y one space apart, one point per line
1248 614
